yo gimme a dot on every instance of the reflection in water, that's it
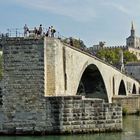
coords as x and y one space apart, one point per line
108 136
131 128
131 131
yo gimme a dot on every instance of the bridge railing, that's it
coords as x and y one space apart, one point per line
12 32
19 32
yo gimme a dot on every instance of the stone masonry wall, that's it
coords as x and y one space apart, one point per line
131 104
23 89
133 69
74 114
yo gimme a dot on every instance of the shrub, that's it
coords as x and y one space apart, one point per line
124 111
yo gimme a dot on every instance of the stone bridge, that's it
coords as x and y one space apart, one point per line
37 70
46 66
70 71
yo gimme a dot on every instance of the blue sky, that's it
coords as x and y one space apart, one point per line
90 20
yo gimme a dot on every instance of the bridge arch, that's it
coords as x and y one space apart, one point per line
134 89
122 89
92 84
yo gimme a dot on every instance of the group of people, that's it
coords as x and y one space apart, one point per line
39 32
50 32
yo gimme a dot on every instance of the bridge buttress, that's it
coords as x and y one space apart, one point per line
54 66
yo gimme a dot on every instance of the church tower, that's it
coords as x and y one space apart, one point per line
130 41
133 42
132 30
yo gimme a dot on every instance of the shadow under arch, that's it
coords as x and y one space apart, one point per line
91 84
134 89
0 46
122 90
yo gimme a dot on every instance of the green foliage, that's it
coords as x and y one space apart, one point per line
78 43
129 57
112 56
124 112
75 42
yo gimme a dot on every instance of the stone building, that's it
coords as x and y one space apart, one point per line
133 69
133 43
135 51
97 47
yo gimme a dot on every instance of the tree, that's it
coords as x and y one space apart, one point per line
75 42
112 56
129 57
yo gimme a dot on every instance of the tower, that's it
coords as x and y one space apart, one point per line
132 30
131 40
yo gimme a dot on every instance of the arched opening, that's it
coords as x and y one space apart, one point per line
122 90
92 84
134 89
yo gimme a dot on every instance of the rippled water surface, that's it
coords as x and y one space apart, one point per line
131 131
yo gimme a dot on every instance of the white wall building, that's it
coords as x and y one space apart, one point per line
133 43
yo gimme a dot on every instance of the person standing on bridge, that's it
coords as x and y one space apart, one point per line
40 30
35 32
25 30
71 41
52 31
48 32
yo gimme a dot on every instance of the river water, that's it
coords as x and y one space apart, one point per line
131 125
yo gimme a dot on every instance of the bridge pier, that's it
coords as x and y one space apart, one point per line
131 103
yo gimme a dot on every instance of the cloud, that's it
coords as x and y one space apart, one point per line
129 8
117 6
75 9
122 8
82 10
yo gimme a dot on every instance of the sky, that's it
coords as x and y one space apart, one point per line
89 20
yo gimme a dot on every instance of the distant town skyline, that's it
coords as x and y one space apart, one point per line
89 20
